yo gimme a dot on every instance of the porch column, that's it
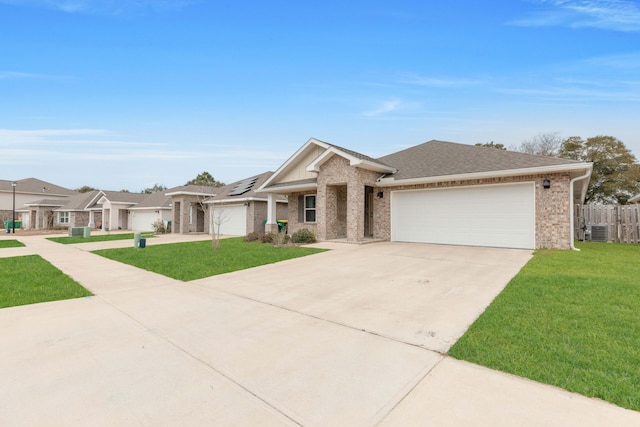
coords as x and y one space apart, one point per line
91 220
271 226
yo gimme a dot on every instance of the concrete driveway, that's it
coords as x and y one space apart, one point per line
353 336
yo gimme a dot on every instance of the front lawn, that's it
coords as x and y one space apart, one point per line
571 319
195 260
12 243
97 238
31 279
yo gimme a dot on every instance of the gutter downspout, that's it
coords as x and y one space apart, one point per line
572 207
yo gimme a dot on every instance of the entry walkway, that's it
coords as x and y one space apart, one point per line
149 350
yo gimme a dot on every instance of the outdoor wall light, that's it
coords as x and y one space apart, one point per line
380 194
546 183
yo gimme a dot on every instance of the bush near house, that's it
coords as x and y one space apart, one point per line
303 236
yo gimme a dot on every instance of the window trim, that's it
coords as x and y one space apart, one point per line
313 209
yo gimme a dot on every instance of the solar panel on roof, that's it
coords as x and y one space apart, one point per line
243 186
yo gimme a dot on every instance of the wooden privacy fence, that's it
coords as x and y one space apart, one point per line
611 223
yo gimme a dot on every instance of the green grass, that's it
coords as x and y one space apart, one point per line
12 243
195 260
31 279
571 319
98 238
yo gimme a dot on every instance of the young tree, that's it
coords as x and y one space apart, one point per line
616 175
543 144
218 217
205 178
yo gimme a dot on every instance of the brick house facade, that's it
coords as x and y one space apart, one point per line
353 198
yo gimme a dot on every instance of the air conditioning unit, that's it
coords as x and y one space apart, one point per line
599 233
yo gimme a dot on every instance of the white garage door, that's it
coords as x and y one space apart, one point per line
492 215
142 220
232 219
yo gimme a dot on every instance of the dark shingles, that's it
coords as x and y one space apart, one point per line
439 158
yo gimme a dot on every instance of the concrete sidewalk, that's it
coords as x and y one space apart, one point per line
149 350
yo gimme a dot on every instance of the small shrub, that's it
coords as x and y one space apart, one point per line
252 237
158 227
303 236
269 238
282 239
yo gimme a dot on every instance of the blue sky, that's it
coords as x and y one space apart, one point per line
124 94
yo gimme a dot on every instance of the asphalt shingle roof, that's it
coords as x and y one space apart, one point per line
35 186
440 158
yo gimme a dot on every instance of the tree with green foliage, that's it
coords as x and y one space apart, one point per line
85 189
205 178
616 175
156 187
492 145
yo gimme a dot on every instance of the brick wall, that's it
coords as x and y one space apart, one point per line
341 193
552 207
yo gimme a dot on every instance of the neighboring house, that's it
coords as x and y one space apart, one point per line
436 192
235 207
27 191
153 207
69 212
238 210
187 208
112 207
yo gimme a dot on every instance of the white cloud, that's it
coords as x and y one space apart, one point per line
385 107
616 15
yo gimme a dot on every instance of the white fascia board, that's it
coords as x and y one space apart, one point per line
140 208
353 161
391 182
291 159
289 188
244 199
189 193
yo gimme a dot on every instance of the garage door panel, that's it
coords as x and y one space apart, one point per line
143 221
497 215
233 219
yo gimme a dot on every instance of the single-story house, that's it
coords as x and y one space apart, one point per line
235 207
29 190
188 210
154 207
112 207
435 192
238 210
74 212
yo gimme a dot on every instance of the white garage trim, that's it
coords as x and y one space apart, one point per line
497 215
231 218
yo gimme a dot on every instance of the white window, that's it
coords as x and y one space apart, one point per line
310 208
63 217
